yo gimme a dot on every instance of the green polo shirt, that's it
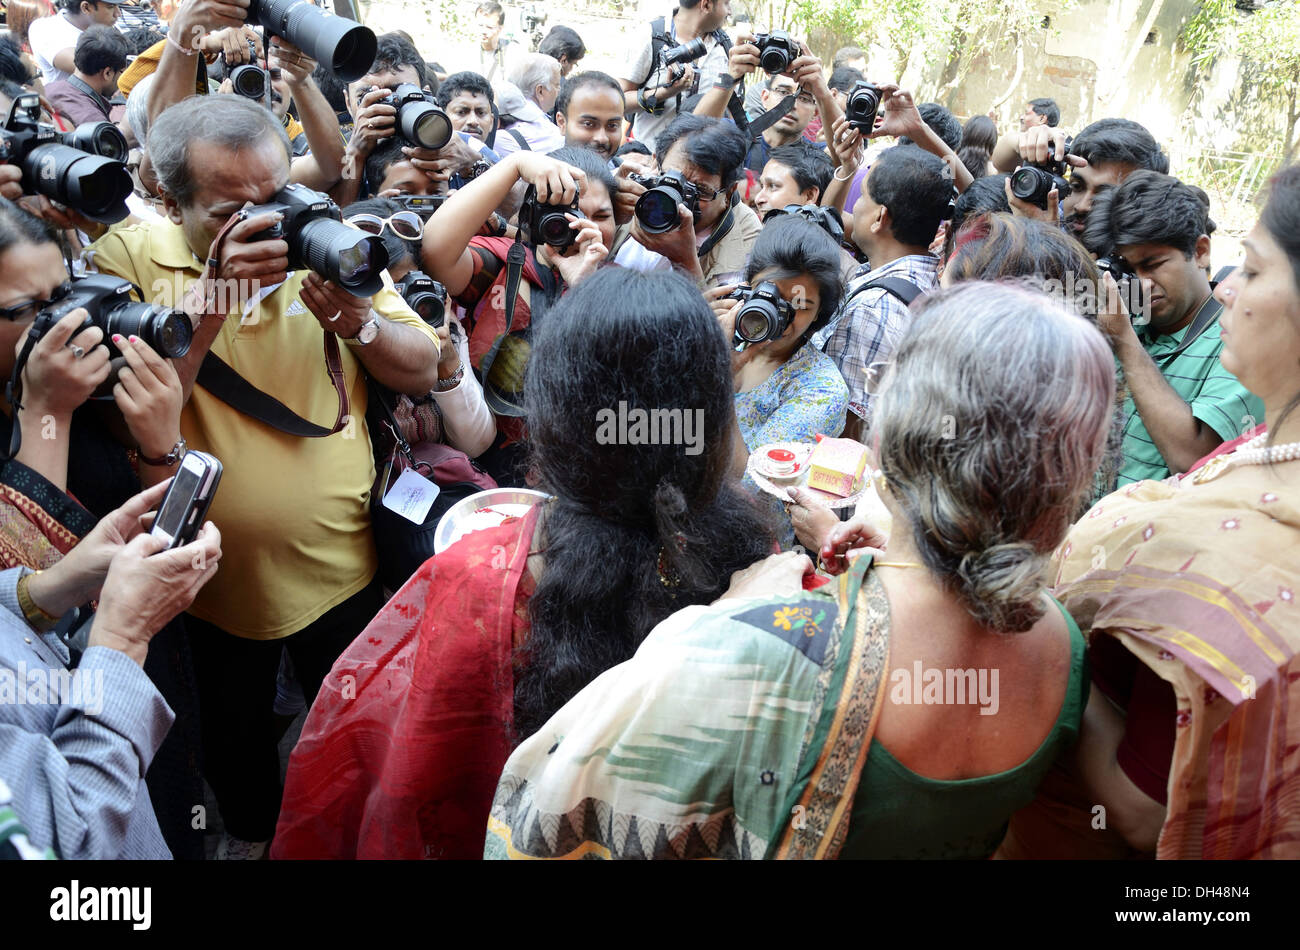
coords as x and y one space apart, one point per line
1215 395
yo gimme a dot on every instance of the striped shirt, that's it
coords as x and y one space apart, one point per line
1214 394
869 328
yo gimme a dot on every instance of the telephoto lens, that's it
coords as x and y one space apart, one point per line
95 186
98 138
764 315
860 106
420 122
343 46
686 53
425 296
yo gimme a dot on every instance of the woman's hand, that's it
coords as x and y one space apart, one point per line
586 254
779 575
813 521
556 182
856 535
64 367
150 396
716 297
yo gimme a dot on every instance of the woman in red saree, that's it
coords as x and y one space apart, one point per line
630 414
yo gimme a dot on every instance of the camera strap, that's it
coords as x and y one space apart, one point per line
724 226
1204 318
770 118
220 379
14 392
102 104
496 401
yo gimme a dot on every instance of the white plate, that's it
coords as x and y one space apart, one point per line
485 509
778 486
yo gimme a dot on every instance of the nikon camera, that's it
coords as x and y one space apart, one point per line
657 208
764 314
320 241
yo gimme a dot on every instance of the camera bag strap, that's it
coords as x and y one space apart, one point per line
515 258
220 379
1204 318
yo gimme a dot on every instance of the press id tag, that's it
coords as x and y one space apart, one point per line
411 496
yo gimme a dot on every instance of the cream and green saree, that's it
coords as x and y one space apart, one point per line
739 730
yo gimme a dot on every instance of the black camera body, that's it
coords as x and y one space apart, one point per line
425 296
764 314
861 105
828 219
342 46
110 307
313 227
420 122
657 208
1130 287
1031 183
776 51
96 185
423 205
547 223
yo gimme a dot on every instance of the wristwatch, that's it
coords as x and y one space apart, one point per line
369 330
171 458
475 170
725 81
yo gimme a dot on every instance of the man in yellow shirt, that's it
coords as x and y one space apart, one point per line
299 566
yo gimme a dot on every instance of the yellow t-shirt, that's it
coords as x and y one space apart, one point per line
293 512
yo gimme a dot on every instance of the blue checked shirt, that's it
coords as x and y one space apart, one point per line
135 16
868 330
76 763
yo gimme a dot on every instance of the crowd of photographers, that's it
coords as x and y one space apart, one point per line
326 265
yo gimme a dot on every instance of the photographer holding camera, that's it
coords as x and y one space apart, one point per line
74 744
694 31
571 185
375 121
1182 403
689 216
309 583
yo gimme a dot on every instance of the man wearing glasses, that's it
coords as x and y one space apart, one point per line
789 128
715 232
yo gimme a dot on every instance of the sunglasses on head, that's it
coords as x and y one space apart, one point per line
405 224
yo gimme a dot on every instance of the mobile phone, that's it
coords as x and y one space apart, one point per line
188 498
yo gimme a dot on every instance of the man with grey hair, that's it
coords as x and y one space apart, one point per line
524 103
301 570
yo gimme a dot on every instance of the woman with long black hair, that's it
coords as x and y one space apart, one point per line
406 740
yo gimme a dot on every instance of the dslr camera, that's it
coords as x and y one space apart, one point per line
828 219
423 205
1131 293
546 223
248 79
82 169
419 122
320 241
674 56
776 51
764 314
1032 182
425 296
657 208
860 106
109 306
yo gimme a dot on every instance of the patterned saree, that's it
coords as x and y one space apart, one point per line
1199 582
407 737
38 523
738 730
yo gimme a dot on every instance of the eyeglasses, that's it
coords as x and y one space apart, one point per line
706 193
29 310
405 224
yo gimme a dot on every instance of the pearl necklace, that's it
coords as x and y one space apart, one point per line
1254 452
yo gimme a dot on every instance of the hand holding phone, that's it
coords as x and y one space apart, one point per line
188 498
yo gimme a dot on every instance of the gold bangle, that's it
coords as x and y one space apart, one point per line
36 617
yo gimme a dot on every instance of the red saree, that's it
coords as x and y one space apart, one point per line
402 750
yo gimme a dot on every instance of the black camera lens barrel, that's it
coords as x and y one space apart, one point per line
685 53
352 259
764 315
343 46
861 105
98 138
1031 183
97 187
249 81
